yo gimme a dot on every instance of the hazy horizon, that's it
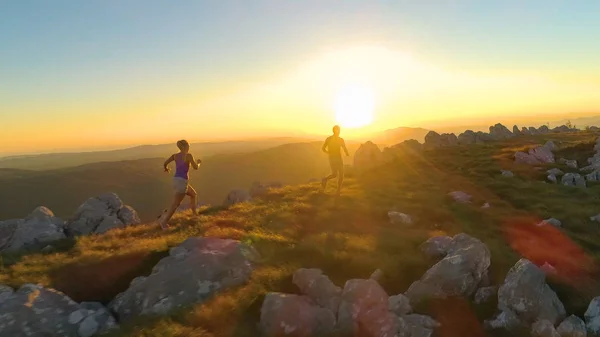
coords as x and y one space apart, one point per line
107 74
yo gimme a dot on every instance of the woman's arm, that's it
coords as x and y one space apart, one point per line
167 162
193 161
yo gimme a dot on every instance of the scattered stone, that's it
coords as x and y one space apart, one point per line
293 315
436 247
508 174
595 218
318 288
39 227
551 221
543 154
460 197
37 311
552 178
524 158
592 317
594 176
192 273
571 163
551 146
364 311
543 328
484 294
397 218
572 326
376 275
100 214
486 205
400 305
555 172
573 179
459 273
543 129
500 132
526 297
236 197
367 157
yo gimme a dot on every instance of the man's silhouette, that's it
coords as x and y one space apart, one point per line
333 147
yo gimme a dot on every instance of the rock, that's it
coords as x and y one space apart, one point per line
376 275
367 157
397 218
48 249
236 197
543 154
594 176
100 214
543 328
507 174
38 228
595 218
533 131
572 326
548 269
551 146
516 131
486 205
469 137
399 305
416 326
484 294
571 163
435 140
543 129
436 247
364 311
460 197
526 295
37 311
573 179
318 288
551 221
592 317
552 178
192 273
459 273
525 131
562 128
293 315
594 129
524 158
500 132
504 320
555 172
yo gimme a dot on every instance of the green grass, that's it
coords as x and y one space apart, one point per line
350 236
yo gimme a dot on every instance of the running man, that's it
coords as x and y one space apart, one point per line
333 147
181 185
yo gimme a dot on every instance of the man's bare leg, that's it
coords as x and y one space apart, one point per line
340 181
167 216
326 179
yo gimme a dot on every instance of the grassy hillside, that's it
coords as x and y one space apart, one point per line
350 236
143 184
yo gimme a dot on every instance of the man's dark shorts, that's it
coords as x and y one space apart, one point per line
336 163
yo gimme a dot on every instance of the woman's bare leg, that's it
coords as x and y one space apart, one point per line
193 196
167 216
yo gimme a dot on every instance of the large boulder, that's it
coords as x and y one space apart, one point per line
236 197
537 155
499 132
533 131
459 273
525 131
38 228
562 128
543 129
573 179
525 298
367 157
296 316
37 311
435 140
399 305
192 273
516 131
543 328
364 311
524 158
592 316
318 288
100 214
436 247
572 326
416 326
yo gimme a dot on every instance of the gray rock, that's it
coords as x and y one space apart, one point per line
504 320
551 146
595 218
364 311
551 221
533 131
436 247
399 305
100 214
525 131
486 205
435 140
236 197
500 132
397 218
552 178
376 275
293 315
594 176
524 158
592 317
37 311
543 154
367 157
468 137
318 288
5 292
416 326
526 294
555 171
460 196
573 179
508 174
543 328
571 163
38 228
516 131
543 129
48 249
193 272
572 326
459 273
484 294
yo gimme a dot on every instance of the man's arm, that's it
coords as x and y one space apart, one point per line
193 161
324 148
167 162
344 147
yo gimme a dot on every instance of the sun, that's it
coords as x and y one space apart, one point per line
354 106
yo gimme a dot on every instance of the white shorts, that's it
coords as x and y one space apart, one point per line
180 185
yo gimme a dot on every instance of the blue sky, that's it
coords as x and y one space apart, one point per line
66 53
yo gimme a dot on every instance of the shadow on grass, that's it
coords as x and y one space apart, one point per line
8 259
101 280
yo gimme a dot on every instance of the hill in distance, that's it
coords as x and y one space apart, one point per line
351 236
